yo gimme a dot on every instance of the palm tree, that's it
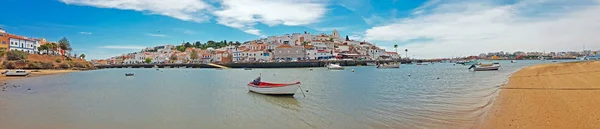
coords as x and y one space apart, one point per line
396 47
406 50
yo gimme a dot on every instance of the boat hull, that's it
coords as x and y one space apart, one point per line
283 90
487 68
388 66
16 74
335 67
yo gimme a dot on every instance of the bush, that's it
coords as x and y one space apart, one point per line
47 65
10 65
79 65
34 65
58 60
16 55
65 66
68 58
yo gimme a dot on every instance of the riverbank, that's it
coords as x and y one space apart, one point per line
36 73
560 95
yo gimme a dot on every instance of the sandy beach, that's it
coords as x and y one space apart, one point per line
37 73
563 95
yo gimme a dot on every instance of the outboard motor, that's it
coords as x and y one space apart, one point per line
472 66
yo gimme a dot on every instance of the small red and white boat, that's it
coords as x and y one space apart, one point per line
274 88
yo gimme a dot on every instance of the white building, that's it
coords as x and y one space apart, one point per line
24 44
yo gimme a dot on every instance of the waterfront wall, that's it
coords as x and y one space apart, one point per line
250 64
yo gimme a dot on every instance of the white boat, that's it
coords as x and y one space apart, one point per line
388 66
19 72
485 67
371 64
513 61
269 88
335 67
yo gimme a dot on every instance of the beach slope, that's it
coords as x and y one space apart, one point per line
564 95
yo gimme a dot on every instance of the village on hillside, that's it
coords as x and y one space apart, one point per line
285 48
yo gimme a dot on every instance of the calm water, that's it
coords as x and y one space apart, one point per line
208 98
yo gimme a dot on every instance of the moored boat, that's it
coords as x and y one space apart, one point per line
270 88
18 72
388 66
513 61
129 74
371 64
335 67
485 67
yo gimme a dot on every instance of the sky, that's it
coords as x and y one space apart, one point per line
427 28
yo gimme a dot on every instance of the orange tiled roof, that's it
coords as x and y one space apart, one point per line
284 46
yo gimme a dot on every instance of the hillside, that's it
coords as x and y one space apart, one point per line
35 61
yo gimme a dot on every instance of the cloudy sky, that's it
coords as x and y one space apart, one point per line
427 28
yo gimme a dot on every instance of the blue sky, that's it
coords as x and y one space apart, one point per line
428 28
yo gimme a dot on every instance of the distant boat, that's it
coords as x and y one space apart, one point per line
335 67
371 64
269 88
422 64
388 66
247 68
513 61
19 72
128 74
485 67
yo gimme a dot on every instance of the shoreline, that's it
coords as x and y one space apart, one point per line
559 95
5 79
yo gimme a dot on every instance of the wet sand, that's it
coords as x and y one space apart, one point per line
4 79
564 95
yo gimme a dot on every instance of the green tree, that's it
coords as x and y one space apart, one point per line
237 43
304 43
396 47
194 55
64 44
52 47
180 48
210 42
197 44
82 56
188 45
331 39
148 60
43 48
230 43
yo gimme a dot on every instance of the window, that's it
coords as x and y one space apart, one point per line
3 42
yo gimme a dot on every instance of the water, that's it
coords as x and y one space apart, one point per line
207 98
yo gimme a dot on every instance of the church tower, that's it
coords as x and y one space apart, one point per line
335 34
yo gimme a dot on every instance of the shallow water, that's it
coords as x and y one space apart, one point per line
431 96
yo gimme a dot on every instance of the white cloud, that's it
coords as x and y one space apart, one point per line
245 14
470 28
86 33
123 47
426 5
239 14
156 35
188 10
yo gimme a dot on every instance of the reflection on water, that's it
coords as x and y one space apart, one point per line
427 96
283 101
